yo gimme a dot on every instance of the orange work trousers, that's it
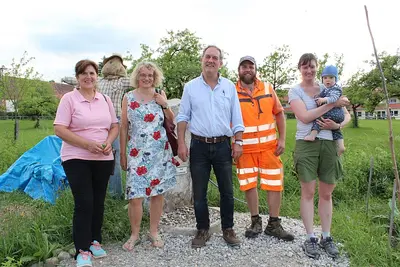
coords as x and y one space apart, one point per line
263 164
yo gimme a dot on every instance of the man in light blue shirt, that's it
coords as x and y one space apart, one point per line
211 105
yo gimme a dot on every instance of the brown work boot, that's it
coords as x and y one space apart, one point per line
274 228
255 228
230 237
201 238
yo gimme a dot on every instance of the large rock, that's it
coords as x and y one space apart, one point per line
181 194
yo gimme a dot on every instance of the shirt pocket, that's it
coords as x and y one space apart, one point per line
224 104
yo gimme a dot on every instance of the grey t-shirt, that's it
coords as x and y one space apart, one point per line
303 129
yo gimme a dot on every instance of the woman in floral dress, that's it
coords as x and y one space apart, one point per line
145 152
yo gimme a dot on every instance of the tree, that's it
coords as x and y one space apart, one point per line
224 71
356 93
282 94
16 81
100 63
179 59
146 55
40 102
178 55
276 68
372 79
229 74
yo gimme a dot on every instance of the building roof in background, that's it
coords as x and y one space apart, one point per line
61 88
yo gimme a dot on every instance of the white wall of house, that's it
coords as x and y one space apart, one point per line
381 112
9 106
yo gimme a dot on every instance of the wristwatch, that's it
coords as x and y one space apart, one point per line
239 142
166 107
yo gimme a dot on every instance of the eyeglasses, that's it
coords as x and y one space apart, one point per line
144 76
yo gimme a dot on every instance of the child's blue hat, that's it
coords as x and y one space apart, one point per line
330 70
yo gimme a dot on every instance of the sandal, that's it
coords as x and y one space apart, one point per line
130 244
156 241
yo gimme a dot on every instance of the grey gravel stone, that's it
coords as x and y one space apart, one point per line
64 255
72 252
56 252
50 262
260 251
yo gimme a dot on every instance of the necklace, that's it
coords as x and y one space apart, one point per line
143 96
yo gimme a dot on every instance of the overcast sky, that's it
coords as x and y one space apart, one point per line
58 34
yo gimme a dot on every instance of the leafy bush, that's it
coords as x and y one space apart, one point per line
357 167
11 262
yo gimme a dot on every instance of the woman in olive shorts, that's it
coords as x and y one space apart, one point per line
315 159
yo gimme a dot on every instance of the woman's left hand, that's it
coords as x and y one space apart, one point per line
107 148
160 99
328 124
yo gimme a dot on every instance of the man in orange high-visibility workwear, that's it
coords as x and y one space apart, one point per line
262 112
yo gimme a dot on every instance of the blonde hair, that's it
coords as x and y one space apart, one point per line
158 75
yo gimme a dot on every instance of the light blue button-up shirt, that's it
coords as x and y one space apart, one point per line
210 113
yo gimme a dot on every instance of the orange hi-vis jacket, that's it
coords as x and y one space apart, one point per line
258 110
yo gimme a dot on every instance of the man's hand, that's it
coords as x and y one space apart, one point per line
280 147
236 152
183 152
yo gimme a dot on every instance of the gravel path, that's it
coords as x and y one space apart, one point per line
261 251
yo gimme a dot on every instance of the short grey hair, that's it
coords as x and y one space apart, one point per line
216 47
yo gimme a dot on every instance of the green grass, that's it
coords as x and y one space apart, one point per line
364 240
34 228
30 229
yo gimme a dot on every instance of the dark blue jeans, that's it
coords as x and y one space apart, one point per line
202 157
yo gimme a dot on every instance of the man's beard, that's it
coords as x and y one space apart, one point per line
247 79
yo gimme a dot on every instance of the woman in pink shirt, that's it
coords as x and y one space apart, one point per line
87 124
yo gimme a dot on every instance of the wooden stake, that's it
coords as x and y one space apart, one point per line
395 170
392 204
396 182
371 168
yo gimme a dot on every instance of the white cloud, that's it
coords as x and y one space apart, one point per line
59 36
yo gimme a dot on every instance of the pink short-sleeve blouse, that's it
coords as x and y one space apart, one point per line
89 119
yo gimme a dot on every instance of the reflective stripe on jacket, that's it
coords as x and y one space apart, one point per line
258 110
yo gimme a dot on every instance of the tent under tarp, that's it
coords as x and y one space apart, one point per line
38 172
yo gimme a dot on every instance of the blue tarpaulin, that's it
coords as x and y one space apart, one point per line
38 172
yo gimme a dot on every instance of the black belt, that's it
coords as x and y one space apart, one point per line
210 140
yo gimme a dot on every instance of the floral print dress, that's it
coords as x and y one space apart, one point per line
151 165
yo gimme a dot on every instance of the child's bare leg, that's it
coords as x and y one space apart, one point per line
311 136
340 145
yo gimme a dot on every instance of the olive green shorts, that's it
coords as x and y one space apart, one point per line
317 159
